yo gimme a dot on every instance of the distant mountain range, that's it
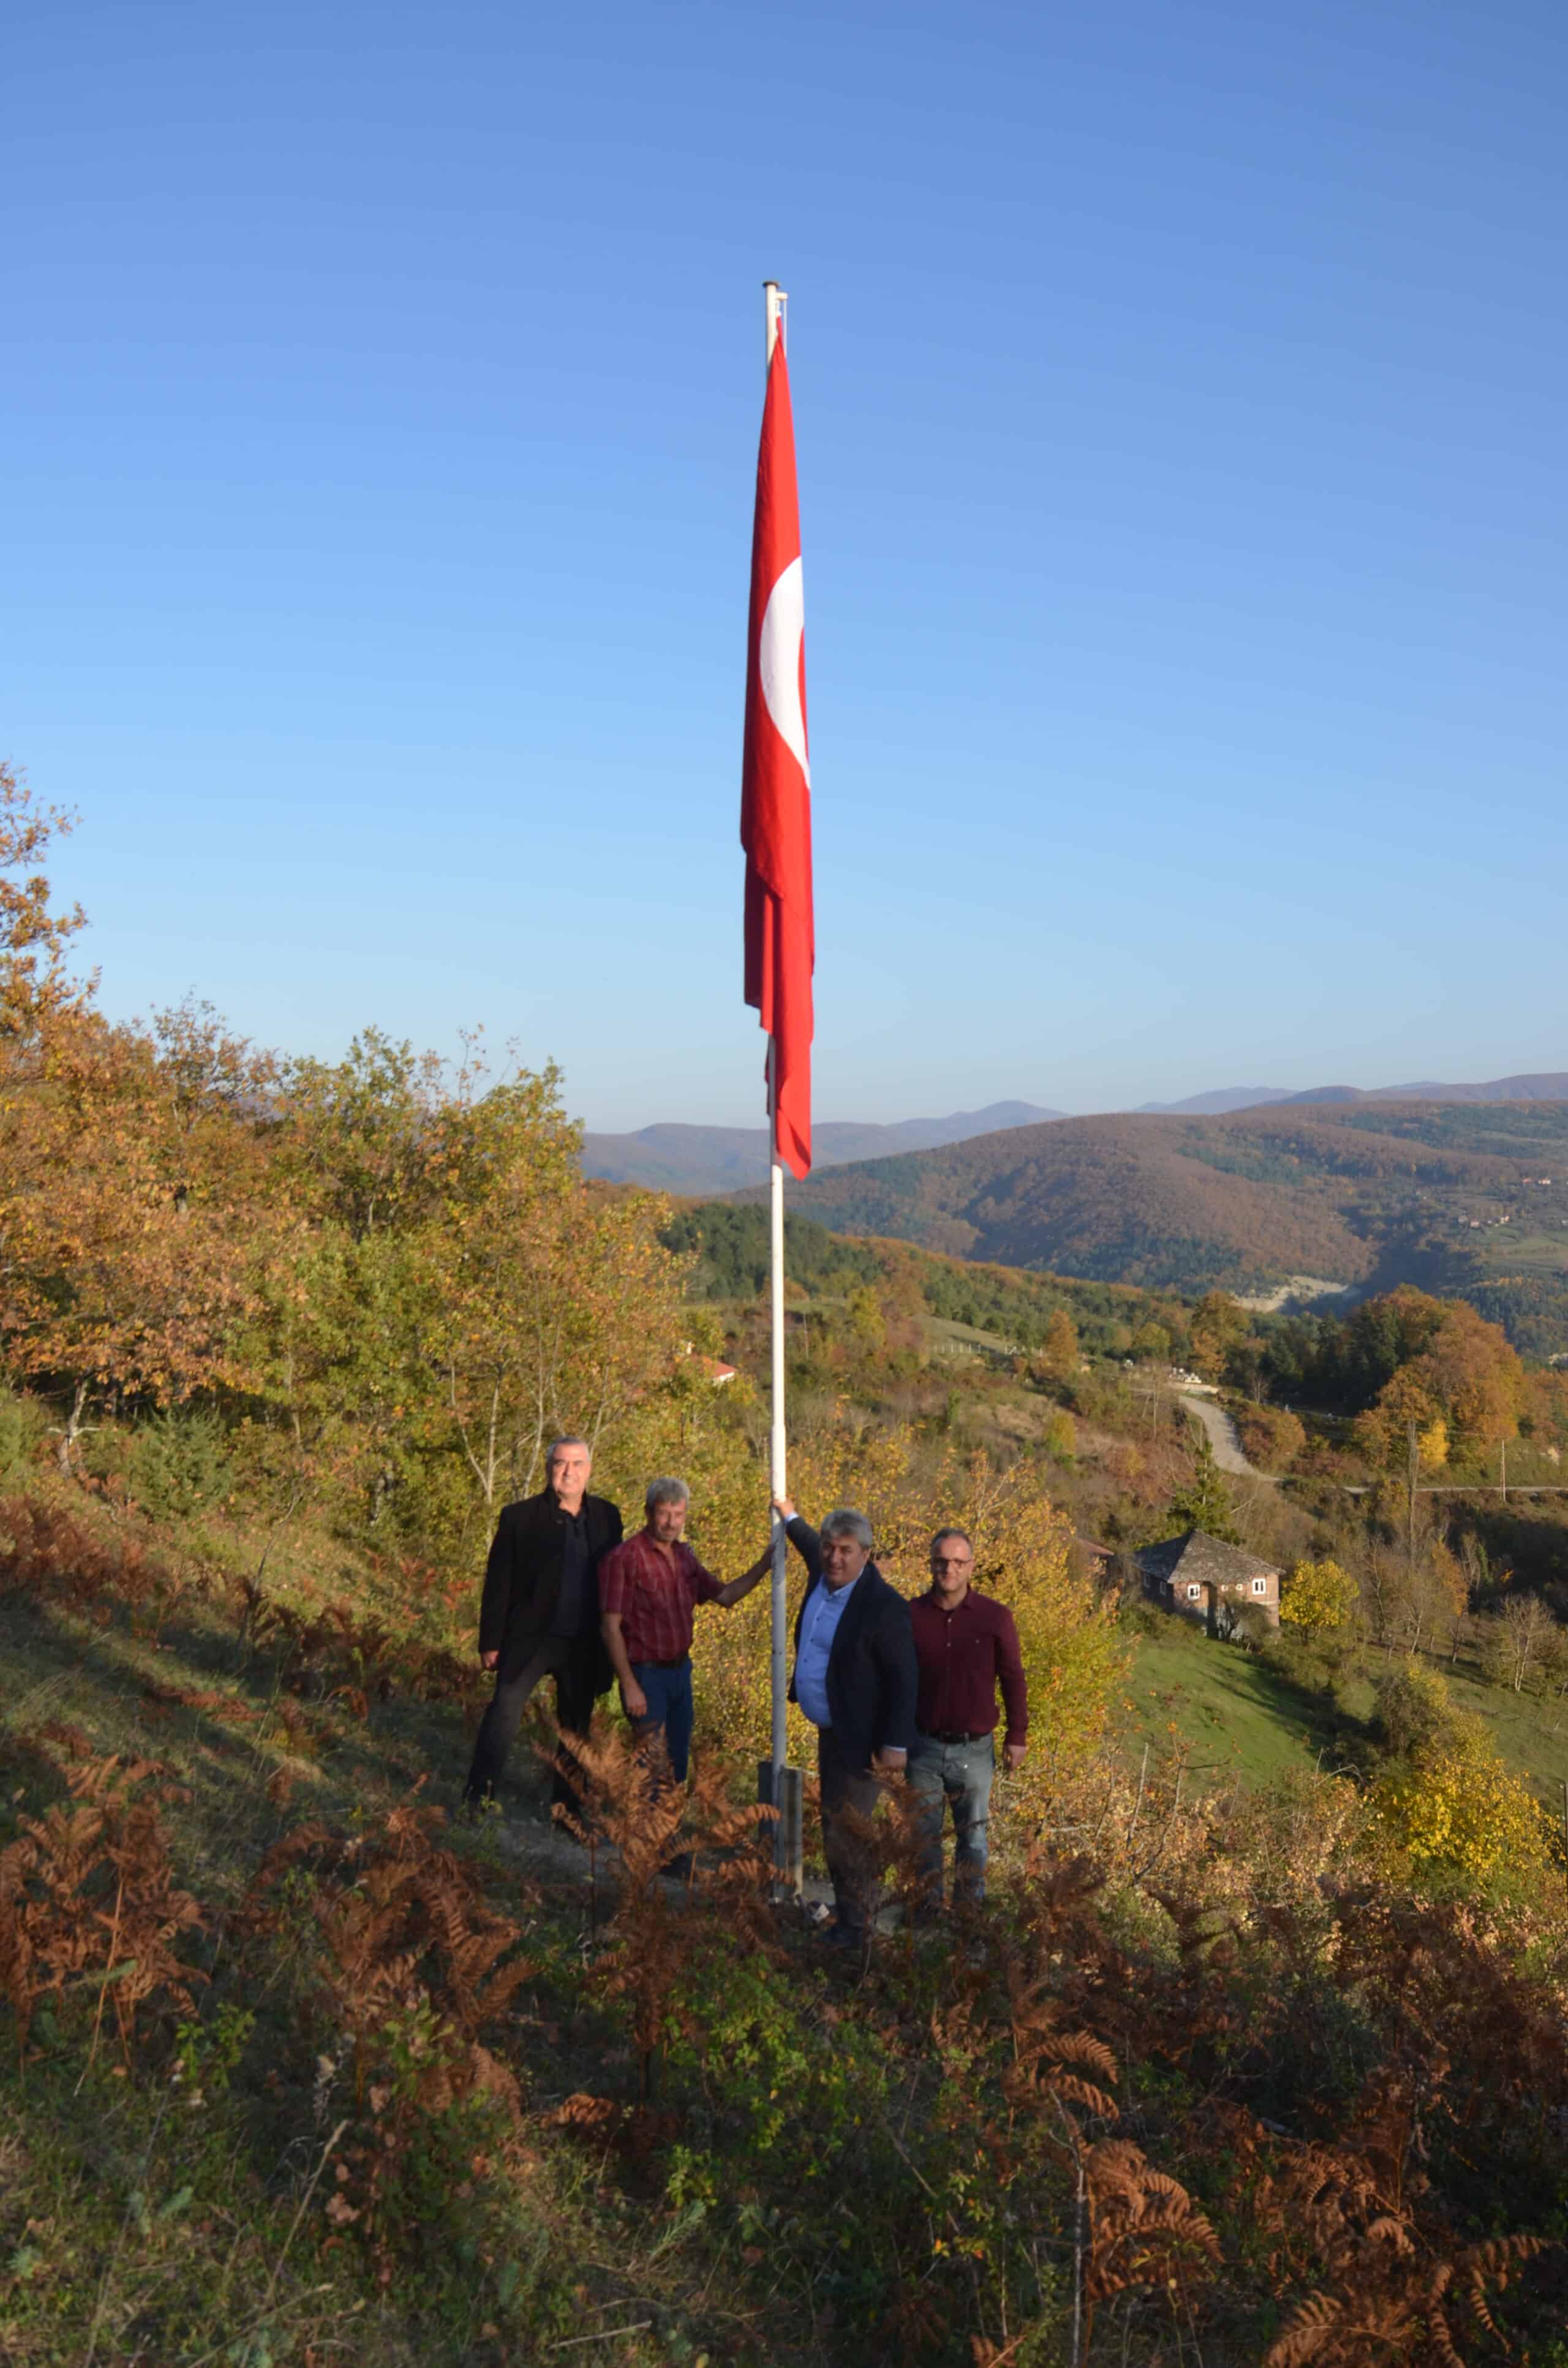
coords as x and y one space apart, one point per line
707 1159
1468 1195
1551 1086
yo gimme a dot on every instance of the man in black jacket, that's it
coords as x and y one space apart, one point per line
539 1614
854 1678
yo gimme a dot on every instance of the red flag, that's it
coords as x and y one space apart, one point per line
776 782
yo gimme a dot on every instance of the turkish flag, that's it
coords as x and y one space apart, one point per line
776 782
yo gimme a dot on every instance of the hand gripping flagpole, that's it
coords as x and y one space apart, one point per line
779 1784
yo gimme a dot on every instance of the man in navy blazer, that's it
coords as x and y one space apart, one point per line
854 1678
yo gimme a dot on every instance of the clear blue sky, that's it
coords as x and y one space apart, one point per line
1180 396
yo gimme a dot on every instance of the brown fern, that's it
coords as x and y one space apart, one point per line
88 1901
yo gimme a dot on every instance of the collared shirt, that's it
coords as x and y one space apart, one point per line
819 1626
576 1606
961 1657
655 1591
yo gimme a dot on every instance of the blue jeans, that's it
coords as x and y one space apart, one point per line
959 1773
669 1711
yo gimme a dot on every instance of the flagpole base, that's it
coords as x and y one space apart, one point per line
784 1790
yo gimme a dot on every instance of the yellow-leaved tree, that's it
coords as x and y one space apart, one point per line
1456 1805
1319 1595
1074 1658
1074 1654
1442 1798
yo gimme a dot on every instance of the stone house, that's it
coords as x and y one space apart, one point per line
1201 1578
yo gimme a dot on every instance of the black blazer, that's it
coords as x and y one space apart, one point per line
522 1577
872 1678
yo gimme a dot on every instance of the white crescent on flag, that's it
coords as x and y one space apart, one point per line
779 662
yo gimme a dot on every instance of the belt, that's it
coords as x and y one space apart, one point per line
932 1734
679 1664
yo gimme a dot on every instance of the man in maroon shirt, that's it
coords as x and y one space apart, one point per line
965 1646
649 1589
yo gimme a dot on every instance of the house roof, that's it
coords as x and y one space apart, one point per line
1195 1555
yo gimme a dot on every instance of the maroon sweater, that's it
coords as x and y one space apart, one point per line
962 1657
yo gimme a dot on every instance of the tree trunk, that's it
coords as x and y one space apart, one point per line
72 1430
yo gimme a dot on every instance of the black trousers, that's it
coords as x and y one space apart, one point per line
849 1862
575 1663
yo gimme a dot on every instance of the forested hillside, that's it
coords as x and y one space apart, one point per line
701 1159
1462 1197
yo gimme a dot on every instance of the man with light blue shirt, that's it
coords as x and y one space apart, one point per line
855 1679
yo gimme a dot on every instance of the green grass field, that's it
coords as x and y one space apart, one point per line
1221 1706
1232 1717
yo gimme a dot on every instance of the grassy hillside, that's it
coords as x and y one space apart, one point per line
1222 1711
309 2074
1450 1197
1225 1714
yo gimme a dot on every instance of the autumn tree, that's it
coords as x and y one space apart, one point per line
1319 1595
1441 1794
552 1302
1518 1639
1058 1354
34 939
1464 1385
124 1284
1217 1325
865 1325
355 1136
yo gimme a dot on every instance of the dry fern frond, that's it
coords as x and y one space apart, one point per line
88 1900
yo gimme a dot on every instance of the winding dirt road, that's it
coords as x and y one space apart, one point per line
1225 1438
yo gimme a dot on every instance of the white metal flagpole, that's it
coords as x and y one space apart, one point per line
779 1784
779 1456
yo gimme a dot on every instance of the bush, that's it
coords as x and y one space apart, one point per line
1414 1713
1061 1439
180 1464
21 1429
1271 1437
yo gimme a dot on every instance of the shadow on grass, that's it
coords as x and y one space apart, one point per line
1231 1711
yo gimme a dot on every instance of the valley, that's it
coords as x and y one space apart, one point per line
1468 1199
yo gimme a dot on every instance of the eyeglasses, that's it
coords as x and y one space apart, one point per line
951 1561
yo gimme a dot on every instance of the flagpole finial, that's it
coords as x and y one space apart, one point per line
777 300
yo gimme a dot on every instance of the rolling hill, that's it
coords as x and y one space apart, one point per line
1467 1196
673 1159
670 1157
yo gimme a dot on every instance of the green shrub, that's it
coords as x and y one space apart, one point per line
21 1429
180 1464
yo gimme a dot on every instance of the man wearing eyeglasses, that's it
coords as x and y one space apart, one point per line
966 1646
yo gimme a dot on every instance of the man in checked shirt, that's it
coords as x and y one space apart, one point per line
966 1644
649 1589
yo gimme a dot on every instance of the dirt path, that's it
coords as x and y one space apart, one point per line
1225 1438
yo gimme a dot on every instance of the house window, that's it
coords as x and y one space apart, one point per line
1193 1593
1260 1587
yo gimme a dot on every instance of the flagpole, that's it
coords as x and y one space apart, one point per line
778 1454
778 1457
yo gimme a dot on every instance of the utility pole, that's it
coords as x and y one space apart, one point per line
1410 1525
